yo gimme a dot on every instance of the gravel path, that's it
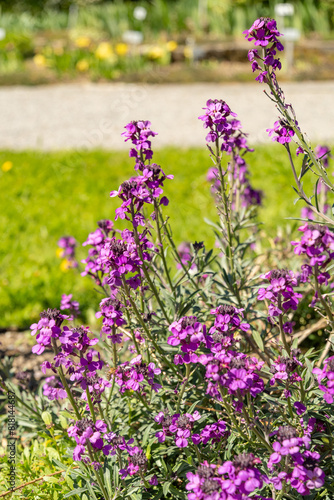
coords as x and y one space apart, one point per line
92 115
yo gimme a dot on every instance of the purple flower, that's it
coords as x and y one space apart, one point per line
137 462
71 305
53 389
284 369
67 244
324 154
138 132
111 311
299 467
190 333
134 375
48 328
282 132
280 293
178 425
264 33
85 431
325 377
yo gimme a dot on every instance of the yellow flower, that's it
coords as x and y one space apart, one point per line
40 60
82 65
155 53
104 51
171 45
82 42
65 265
60 252
121 49
7 166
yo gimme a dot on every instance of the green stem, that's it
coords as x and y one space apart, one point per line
321 298
146 273
132 332
230 413
301 191
198 454
282 107
226 214
185 383
113 379
290 408
176 253
162 248
90 404
280 324
140 319
68 392
97 474
256 432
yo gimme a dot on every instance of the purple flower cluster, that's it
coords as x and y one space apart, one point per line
284 369
139 132
225 128
111 311
265 35
325 377
233 480
317 244
120 259
87 433
137 462
294 463
234 372
324 154
53 389
178 425
67 245
282 132
217 119
97 240
228 321
72 349
135 375
48 327
213 433
141 190
72 306
280 294
190 333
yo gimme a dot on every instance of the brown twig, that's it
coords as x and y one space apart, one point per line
302 335
33 481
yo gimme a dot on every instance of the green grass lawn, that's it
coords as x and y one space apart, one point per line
48 195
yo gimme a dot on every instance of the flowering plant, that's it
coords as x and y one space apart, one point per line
195 387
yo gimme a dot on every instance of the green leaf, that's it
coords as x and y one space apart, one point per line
176 492
52 453
47 417
257 337
67 414
51 479
107 480
166 487
146 434
77 491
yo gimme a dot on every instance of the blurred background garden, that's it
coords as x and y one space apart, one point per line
64 40
48 192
